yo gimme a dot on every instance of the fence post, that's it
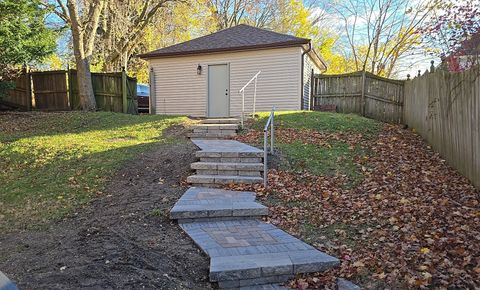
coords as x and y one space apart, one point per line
70 89
28 87
152 98
312 79
124 91
362 102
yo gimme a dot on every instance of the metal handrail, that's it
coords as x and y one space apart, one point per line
242 91
270 123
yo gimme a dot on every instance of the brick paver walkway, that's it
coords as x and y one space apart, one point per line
244 251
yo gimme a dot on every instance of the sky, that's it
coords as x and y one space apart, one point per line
410 63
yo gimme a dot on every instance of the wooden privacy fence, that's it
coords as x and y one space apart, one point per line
17 97
360 92
444 108
115 92
58 91
50 90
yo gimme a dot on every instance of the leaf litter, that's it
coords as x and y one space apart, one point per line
411 222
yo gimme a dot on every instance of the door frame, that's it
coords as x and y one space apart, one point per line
208 87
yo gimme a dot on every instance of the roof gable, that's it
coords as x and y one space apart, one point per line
239 37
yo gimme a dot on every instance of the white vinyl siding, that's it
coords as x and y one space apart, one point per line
309 64
179 90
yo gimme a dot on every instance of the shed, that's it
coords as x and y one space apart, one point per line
202 77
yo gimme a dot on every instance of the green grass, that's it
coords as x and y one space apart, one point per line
336 158
53 162
320 121
322 160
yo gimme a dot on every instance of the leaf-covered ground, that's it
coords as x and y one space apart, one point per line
377 197
52 162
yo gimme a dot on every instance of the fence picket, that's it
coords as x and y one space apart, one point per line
58 91
362 93
443 107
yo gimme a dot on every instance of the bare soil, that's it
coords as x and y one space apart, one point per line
121 240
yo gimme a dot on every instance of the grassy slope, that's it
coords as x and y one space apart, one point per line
329 160
321 121
50 163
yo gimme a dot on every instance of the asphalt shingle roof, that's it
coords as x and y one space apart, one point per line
235 38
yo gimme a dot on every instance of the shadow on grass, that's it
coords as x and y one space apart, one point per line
15 126
44 174
33 195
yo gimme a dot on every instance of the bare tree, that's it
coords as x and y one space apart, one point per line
123 26
228 13
379 32
83 19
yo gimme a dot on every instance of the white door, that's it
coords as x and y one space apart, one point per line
218 91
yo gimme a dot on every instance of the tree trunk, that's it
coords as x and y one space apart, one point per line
83 36
85 87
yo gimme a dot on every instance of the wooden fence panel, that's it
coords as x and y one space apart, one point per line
20 96
50 90
108 91
378 98
342 90
383 99
58 90
444 108
132 107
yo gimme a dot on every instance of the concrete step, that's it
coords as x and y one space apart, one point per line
252 252
215 131
204 203
258 287
217 126
220 121
223 179
230 153
228 172
245 160
219 168
227 166
255 283
262 265
211 135
226 148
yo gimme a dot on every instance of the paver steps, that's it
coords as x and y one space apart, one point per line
219 168
202 203
222 128
245 252
220 121
226 161
250 252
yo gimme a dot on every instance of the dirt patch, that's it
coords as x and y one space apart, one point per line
121 240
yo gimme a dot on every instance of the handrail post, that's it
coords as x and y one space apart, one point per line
254 96
265 156
242 90
272 134
270 122
243 107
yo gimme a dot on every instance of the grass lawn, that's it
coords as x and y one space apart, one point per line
53 162
340 144
320 121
